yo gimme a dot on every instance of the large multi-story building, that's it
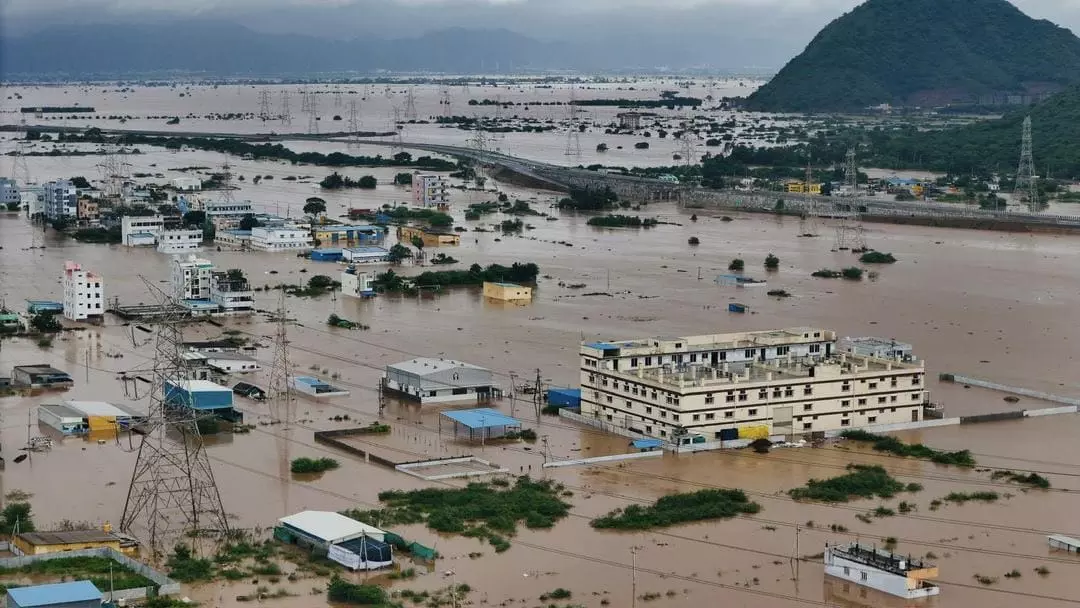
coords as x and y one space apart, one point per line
191 278
61 199
88 210
231 292
84 293
9 192
281 238
180 240
140 230
747 384
429 190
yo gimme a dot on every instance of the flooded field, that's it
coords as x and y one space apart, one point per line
995 306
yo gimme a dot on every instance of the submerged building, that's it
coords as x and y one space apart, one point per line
745 385
430 380
877 569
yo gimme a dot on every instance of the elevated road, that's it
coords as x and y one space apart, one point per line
641 189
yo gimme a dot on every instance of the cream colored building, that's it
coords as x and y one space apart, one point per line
744 385
507 291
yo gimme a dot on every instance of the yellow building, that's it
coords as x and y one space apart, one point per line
430 238
40 543
800 188
507 291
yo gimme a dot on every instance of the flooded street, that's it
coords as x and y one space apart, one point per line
994 306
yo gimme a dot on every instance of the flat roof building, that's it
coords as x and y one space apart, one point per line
365 255
313 387
882 570
79 417
429 380
325 528
41 543
745 385
40 376
198 394
882 348
508 292
75 594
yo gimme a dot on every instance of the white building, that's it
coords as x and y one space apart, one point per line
226 363
61 199
365 255
430 380
429 190
745 385
191 278
9 192
140 231
84 293
187 184
231 292
356 284
227 214
881 570
179 241
281 238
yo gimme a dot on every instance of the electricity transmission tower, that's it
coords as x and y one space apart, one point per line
114 171
264 105
173 493
1026 181
338 99
286 114
20 171
353 124
410 104
688 142
444 101
282 407
851 173
313 115
305 99
808 222
480 141
397 145
849 229
573 131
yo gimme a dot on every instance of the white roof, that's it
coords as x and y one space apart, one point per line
198 385
427 365
329 526
99 408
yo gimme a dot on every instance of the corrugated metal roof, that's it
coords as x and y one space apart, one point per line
329 526
421 366
196 386
65 537
58 593
482 418
100 408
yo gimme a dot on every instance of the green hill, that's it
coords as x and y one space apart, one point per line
926 53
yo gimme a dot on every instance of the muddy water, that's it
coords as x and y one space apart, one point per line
990 305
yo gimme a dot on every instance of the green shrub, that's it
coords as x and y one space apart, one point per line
736 265
877 257
852 273
863 481
313 465
186 568
349 593
622 221
885 443
679 508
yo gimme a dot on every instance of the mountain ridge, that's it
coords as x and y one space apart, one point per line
924 52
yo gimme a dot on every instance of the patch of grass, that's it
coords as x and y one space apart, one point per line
186 568
1042 571
92 568
344 592
986 580
962 497
1031 479
884 512
313 465
679 508
862 481
405 574
1014 573
877 257
892 445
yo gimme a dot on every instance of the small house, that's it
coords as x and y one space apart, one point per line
313 387
875 568
507 291
198 394
42 543
351 543
75 594
40 376
365 255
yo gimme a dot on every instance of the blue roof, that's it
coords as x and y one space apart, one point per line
482 418
308 380
601 345
58 593
571 392
644 444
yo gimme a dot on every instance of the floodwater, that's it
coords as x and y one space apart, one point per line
991 305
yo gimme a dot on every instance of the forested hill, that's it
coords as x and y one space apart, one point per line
927 53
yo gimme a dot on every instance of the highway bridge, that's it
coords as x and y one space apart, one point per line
641 189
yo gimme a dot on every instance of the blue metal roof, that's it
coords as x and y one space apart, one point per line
58 593
601 345
646 444
482 418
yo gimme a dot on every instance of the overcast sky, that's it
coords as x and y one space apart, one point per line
768 31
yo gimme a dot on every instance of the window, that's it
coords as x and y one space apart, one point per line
873 385
845 403
864 575
633 362
460 391
710 416
634 390
609 398
892 382
789 392
431 393
729 414
697 417
815 348
742 395
871 419
915 381
723 356
751 412
648 361
652 396
881 399
629 405
776 393
648 429
648 410
862 401
663 413
914 396
807 426
892 410
604 382
892 399
808 390
808 407
693 358
663 433
763 394
750 353
782 350
730 398
678 345
845 386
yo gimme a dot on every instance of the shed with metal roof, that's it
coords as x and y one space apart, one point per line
75 594
430 380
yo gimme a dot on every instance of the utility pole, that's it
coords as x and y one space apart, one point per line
544 438
633 577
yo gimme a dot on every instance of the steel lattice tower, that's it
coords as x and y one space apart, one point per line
573 132
264 105
447 108
286 114
282 405
313 115
1026 181
808 222
410 104
353 124
173 493
851 172
688 142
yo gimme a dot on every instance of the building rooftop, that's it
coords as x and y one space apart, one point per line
66 537
55 594
482 418
880 559
746 339
427 365
99 408
40 368
328 526
366 250
500 284
198 385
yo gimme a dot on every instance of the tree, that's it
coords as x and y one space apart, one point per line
195 218
249 221
388 281
235 274
367 182
333 181
601 147
403 158
418 243
403 179
772 262
736 265
440 220
315 206
45 323
398 253
17 515
80 182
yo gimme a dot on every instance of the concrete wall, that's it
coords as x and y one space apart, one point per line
599 459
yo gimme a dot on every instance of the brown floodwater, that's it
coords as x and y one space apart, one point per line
990 305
